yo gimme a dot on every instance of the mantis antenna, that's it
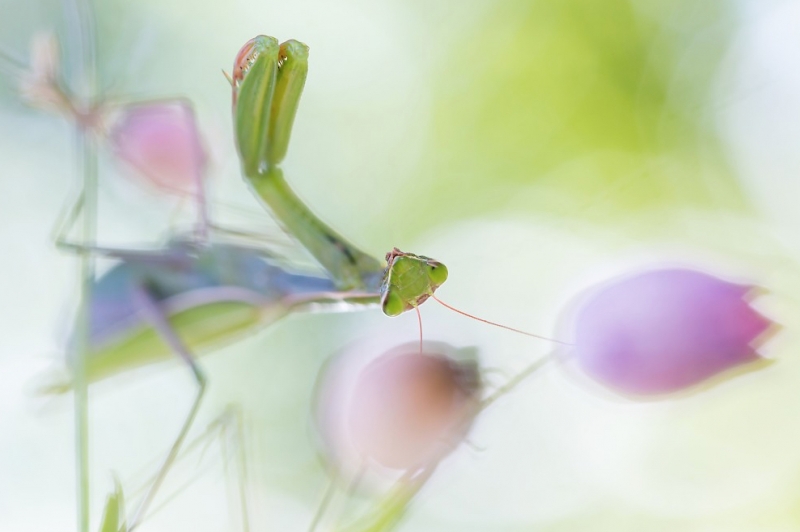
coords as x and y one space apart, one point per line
419 319
506 327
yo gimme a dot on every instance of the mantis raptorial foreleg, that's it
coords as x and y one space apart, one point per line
291 78
268 81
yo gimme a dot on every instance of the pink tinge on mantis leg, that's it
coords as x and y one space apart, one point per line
161 142
662 331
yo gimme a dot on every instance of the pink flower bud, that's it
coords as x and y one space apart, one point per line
402 410
664 330
162 143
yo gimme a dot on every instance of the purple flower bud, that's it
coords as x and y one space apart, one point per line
402 410
661 331
162 143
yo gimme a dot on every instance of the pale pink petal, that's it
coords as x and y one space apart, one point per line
401 410
162 143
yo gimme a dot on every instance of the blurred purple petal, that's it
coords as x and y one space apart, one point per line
664 330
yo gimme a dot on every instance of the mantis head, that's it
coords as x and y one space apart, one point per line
409 281
267 81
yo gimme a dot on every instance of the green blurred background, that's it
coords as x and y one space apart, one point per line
535 147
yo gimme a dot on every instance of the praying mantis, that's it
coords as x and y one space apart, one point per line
197 293
229 335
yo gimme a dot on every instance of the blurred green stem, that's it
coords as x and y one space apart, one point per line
11 66
516 380
330 491
87 148
390 511
81 40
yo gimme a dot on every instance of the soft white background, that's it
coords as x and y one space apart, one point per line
557 454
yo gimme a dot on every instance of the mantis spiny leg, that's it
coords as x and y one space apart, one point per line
253 99
292 73
268 80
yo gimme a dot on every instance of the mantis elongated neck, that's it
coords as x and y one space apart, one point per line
350 268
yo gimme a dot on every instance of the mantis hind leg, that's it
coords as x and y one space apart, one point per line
63 226
67 219
227 429
157 318
61 240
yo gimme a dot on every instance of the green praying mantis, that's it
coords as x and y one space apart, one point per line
197 293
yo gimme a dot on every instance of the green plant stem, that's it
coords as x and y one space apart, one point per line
516 380
11 66
89 168
330 491
81 38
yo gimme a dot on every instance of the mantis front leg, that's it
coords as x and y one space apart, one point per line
267 83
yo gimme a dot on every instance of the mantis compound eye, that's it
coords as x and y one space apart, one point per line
392 304
437 273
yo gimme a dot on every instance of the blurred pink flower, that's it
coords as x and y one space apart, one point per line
162 143
402 410
39 85
664 330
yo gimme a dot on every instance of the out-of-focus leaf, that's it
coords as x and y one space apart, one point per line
114 513
583 108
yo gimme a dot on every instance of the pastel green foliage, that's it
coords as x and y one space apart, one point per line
409 281
114 512
253 104
291 79
580 108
